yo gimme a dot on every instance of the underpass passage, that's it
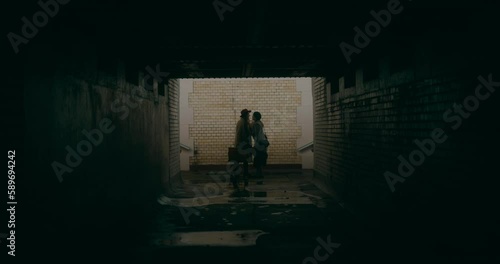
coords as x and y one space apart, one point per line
280 221
404 125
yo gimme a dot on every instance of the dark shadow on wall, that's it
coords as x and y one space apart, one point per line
104 204
444 209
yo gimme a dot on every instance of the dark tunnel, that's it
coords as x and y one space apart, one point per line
401 135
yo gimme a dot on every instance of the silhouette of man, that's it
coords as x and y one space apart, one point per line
243 142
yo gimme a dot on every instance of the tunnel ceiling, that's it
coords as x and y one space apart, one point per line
260 38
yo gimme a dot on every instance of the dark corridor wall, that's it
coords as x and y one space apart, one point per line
109 191
397 98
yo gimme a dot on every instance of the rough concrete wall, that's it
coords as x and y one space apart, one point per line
73 94
217 104
360 131
174 131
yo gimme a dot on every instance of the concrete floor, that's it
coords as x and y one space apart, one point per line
286 220
280 221
290 220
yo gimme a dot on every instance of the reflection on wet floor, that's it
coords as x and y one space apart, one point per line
288 211
237 238
278 189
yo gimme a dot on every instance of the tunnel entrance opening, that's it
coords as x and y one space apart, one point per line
210 108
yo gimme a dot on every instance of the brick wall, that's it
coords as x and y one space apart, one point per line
361 130
217 104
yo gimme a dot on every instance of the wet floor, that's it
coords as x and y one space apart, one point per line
288 219
282 221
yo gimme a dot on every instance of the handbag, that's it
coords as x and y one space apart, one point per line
234 155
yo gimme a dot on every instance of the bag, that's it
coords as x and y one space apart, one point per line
234 155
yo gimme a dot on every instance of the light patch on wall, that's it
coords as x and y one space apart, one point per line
216 108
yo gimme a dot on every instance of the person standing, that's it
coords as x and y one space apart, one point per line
243 142
260 145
